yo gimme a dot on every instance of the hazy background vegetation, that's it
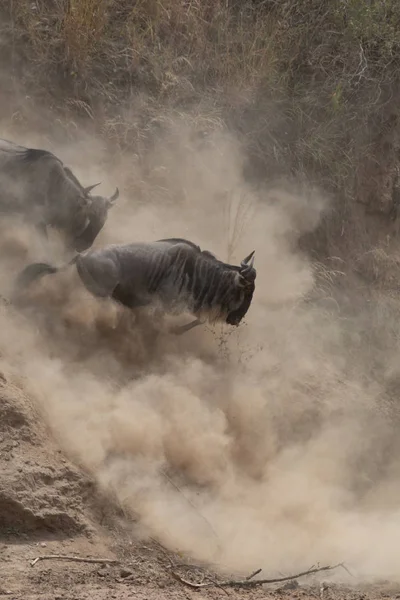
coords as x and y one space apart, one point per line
309 86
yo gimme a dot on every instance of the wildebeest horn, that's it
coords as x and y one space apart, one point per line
114 197
245 262
90 187
246 266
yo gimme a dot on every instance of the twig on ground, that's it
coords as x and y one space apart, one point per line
253 574
249 582
346 569
106 561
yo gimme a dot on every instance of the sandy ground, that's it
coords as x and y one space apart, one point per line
143 572
48 507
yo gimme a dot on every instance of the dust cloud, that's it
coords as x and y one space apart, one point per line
271 445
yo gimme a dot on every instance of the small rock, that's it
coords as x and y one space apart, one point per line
43 544
125 573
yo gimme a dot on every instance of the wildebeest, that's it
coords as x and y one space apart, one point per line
37 185
175 272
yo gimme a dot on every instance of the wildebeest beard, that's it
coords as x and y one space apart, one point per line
234 317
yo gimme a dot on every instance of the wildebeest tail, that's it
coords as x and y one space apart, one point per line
36 270
33 272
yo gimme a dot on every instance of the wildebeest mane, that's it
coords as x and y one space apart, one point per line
25 157
33 154
22 152
73 178
204 253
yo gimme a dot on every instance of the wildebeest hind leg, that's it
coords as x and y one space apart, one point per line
127 298
32 272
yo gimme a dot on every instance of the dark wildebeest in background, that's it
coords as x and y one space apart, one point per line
174 272
36 185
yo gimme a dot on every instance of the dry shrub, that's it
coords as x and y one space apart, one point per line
380 267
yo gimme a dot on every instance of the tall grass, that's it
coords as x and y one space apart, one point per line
308 85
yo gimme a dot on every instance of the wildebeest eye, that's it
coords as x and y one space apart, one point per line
245 283
85 201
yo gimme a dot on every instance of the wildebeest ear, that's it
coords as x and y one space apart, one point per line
112 200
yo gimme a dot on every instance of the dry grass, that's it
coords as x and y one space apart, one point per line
306 85
83 27
380 267
166 48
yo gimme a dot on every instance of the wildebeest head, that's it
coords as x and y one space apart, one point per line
242 293
93 215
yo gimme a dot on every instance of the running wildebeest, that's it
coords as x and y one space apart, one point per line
174 272
36 184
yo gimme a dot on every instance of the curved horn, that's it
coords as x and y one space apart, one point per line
114 197
90 187
246 266
246 260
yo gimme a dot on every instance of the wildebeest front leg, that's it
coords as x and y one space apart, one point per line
183 328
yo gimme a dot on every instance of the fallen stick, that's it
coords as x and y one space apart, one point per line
106 561
249 582
253 574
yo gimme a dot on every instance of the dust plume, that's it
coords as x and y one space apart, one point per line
271 445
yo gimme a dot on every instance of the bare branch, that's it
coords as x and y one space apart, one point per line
106 561
249 582
253 574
